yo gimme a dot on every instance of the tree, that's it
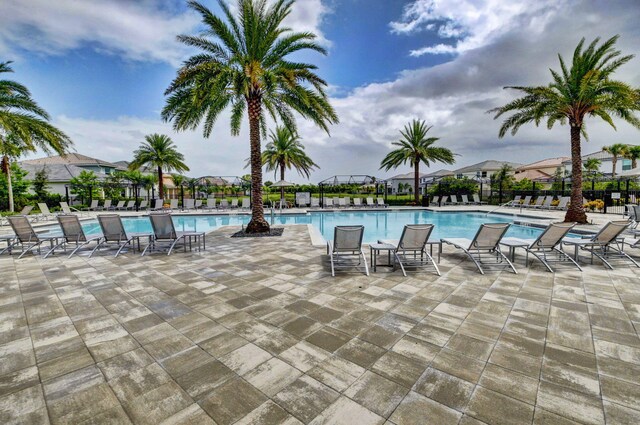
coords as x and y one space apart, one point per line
244 66
39 184
26 125
616 150
285 151
415 147
633 153
584 90
159 151
592 168
18 184
85 185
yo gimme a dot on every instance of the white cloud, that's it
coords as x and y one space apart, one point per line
472 23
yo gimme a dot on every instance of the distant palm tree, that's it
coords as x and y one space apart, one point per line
633 153
585 89
158 151
616 150
245 66
415 147
24 126
285 151
592 167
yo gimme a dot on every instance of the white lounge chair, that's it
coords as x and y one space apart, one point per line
477 201
604 244
562 203
45 214
435 200
106 206
158 205
328 202
189 204
538 202
410 249
381 203
465 200
315 203
93 206
198 204
211 204
342 203
144 204
224 204
453 200
66 209
357 202
526 202
484 248
234 203
345 251
515 202
119 206
246 204
546 204
370 202
173 204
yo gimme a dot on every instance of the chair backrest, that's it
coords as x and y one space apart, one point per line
336 200
380 201
173 204
315 202
552 235
636 209
65 207
143 204
435 199
414 237
22 228
563 201
120 204
112 228
94 204
516 199
328 202
26 210
107 204
189 203
454 199
234 202
246 203
198 203
489 235
527 200
158 204
357 202
476 198
347 238
444 199
224 203
131 204
347 201
465 199
71 228
369 201
548 201
211 202
610 232
163 226
44 209
539 200
631 211
342 202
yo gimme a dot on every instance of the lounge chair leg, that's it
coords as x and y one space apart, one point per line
94 249
364 258
395 254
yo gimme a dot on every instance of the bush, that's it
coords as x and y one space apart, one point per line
454 186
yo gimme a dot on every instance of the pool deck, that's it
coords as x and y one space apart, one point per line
256 331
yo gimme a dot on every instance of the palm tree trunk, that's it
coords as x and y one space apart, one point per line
282 178
6 168
575 212
257 224
614 162
634 163
160 185
416 181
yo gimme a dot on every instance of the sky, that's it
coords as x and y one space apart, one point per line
100 69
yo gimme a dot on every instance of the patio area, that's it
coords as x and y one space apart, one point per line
256 331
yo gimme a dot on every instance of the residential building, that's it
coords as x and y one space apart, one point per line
606 163
540 170
433 178
402 183
484 169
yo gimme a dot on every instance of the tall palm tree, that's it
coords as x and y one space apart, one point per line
415 147
592 167
24 126
244 66
633 153
158 150
616 150
285 151
585 89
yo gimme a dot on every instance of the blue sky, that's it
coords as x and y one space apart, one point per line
100 70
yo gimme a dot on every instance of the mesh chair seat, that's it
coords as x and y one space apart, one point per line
113 232
606 245
26 237
345 251
164 232
410 248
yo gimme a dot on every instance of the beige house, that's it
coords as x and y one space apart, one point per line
540 170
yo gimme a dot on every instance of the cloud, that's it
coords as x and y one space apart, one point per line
472 24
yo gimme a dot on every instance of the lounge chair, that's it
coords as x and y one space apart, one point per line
73 234
198 204
93 206
106 206
546 204
158 205
370 202
547 247
484 248
45 214
435 200
211 204
8 239
562 203
173 205
443 200
342 203
26 237
477 201
328 202
345 251
453 200
246 204
465 200
410 249
357 202
526 202
164 232
604 244
381 203
25 211
224 204
66 209
347 202
234 203
144 205
114 233
131 205
538 202
315 203
119 206
189 204
515 202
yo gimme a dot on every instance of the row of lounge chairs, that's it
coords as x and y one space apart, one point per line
347 202
453 200
345 250
112 233
541 202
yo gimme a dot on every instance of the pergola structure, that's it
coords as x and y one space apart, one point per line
352 179
222 181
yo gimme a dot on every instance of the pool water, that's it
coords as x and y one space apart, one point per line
377 224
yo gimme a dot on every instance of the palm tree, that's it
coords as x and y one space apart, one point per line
244 66
633 153
616 150
586 89
24 126
158 151
285 151
592 167
415 147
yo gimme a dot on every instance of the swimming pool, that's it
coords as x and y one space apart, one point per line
378 224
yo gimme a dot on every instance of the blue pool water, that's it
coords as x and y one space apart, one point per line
377 224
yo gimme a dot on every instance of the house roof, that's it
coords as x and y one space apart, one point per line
601 155
545 163
532 174
125 165
489 165
56 173
439 173
406 176
71 159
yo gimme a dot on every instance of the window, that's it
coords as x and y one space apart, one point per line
459 176
484 174
626 164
